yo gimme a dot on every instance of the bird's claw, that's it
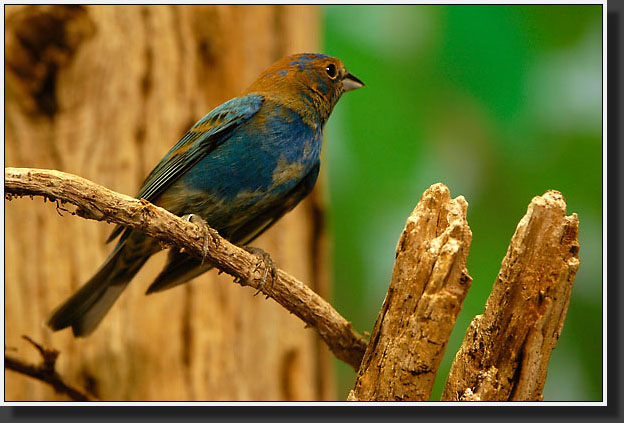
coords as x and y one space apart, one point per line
269 265
210 234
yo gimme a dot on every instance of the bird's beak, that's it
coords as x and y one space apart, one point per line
350 83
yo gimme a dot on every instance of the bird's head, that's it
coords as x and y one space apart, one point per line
307 80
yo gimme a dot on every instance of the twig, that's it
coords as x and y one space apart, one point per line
506 350
99 203
46 372
429 284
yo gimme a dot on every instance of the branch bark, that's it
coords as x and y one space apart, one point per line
46 372
98 203
429 283
505 353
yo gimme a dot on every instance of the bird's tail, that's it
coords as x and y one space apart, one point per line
85 309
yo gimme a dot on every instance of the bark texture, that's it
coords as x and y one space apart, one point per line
429 283
505 353
103 92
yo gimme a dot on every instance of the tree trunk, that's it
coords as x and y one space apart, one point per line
104 92
428 286
506 350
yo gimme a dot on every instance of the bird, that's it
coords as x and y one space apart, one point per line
239 169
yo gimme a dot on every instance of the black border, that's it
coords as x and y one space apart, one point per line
614 209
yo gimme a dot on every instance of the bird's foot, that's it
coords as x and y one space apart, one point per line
210 234
263 259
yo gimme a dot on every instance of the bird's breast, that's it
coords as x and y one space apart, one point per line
257 166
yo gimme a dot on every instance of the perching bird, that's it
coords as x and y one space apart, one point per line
240 168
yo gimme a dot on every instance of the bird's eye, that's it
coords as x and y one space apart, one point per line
331 71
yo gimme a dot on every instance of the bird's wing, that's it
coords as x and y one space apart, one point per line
203 137
206 135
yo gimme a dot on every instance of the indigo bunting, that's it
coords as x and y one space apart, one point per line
239 168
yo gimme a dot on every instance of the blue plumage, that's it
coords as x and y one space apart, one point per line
241 167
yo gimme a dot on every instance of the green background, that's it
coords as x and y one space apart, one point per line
500 103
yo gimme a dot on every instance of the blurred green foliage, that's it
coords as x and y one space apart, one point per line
500 103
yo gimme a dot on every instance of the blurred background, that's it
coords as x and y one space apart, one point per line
500 103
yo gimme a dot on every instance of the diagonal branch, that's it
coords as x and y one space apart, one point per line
46 372
98 203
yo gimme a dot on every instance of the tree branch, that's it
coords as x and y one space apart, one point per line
46 372
429 283
98 203
505 353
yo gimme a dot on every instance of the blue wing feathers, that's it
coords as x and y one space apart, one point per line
207 134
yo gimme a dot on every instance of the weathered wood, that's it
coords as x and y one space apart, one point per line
98 203
103 92
505 353
429 283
